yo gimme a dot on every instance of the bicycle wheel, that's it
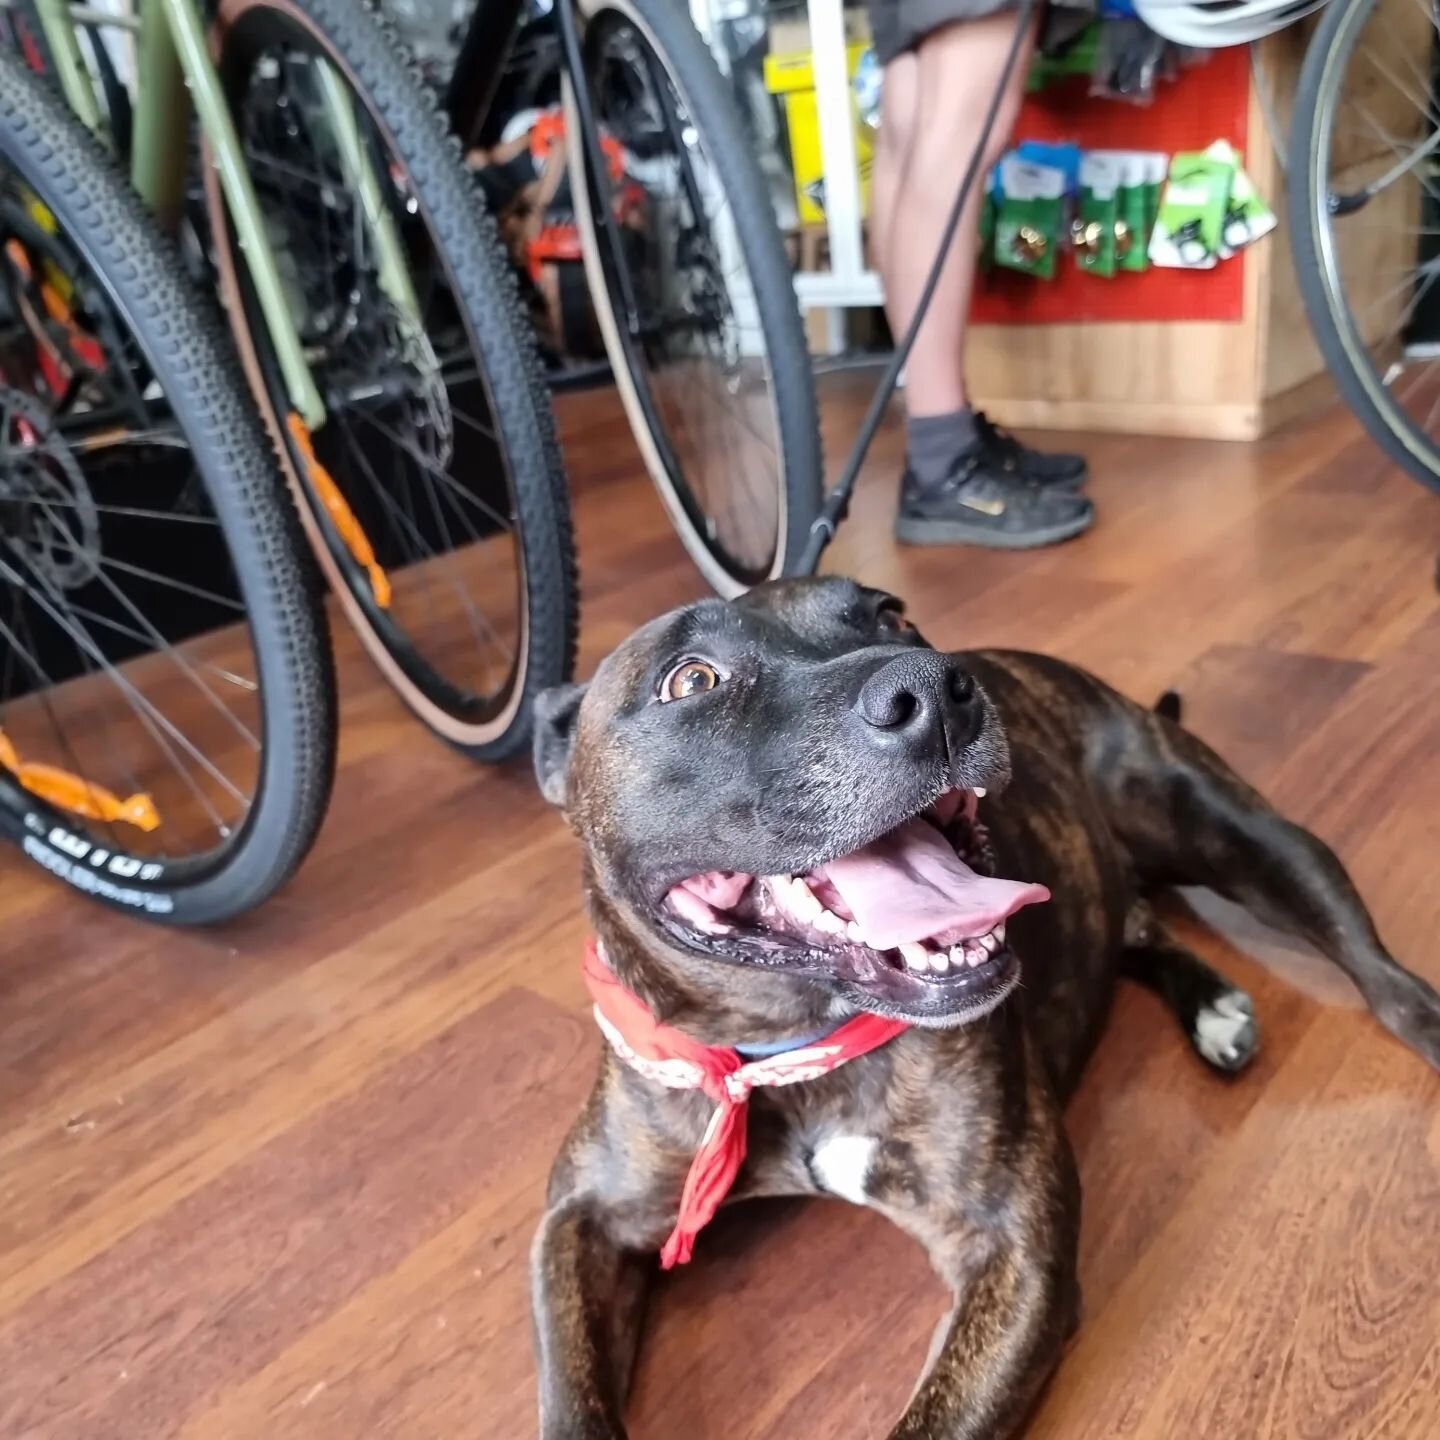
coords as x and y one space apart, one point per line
436 496
1364 211
167 721
696 302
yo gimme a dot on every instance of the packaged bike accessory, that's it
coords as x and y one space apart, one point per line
1156 168
1067 47
1094 232
1247 216
792 77
869 88
1030 218
1135 216
1139 176
1061 155
1128 58
988 208
1191 223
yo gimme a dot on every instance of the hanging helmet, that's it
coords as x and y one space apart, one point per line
1213 24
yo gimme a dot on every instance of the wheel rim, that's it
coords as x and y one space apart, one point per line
410 439
695 350
127 670
1375 158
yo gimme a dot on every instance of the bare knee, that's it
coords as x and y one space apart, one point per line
960 68
900 99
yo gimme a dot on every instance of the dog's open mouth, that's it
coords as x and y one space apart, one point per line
917 910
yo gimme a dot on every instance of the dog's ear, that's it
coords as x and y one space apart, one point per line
556 711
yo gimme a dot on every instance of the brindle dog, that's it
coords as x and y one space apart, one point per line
728 747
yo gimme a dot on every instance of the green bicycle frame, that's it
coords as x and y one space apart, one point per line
172 54
69 67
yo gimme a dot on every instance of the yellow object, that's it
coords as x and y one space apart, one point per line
357 542
80 797
793 78
60 281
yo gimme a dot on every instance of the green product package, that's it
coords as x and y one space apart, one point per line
1191 224
1140 175
1155 165
1077 59
1030 216
1247 216
1136 213
1093 232
987 230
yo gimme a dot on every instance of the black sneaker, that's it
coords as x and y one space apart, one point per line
980 504
1034 465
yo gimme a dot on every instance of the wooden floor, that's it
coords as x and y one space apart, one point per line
280 1181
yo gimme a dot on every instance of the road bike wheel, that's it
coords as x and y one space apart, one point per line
436 495
1364 203
167 720
697 303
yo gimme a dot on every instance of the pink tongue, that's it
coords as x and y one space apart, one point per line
910 885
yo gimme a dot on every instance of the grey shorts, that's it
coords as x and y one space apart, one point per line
900 25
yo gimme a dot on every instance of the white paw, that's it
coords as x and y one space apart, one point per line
1225 1031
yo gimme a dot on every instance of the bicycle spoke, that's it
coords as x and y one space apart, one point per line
477 621
430 468
110 623
170 583
130 511
158 724
44 684
161 646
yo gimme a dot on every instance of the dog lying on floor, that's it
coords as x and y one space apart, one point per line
811 900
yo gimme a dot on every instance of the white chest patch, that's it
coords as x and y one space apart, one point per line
841 1164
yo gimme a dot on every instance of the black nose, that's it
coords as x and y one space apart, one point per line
920 695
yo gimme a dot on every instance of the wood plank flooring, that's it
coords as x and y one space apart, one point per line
279 1180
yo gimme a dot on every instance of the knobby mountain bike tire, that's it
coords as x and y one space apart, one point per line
740 472
479 607
236 493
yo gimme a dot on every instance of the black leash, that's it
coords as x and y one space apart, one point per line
837 502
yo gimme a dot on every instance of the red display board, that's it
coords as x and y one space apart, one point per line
1205 103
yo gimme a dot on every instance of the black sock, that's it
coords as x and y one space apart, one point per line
933 443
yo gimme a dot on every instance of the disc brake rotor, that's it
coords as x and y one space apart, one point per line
48 518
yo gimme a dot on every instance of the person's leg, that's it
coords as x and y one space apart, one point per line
962 484
953 77
899 100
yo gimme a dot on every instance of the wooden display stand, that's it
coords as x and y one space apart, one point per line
1232 377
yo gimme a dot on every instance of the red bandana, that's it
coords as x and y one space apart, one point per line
669 1057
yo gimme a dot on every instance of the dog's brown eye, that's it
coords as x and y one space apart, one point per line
689 677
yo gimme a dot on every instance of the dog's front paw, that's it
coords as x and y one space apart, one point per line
1226 1033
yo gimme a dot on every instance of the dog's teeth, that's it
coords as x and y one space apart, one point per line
803 904
852 929
980 792
940 962
829 922
990 943
916 957
999 933
957 955
974 953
